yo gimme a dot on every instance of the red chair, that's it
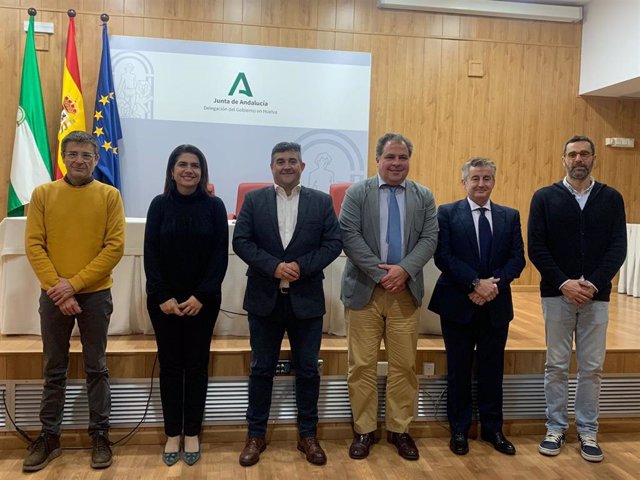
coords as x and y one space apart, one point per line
243 188
337 192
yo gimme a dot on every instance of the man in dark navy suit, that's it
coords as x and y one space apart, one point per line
287 234
480 252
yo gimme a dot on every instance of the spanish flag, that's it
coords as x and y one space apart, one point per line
72 114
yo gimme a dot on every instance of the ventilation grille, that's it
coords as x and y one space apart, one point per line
226 403
432 398
227 400
3 415
128 403
523 397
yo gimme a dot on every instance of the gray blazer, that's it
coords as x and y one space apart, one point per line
360 224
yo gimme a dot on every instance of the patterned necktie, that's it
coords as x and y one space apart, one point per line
394 235
484 236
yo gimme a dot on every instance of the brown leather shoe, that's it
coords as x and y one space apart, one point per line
253 447
404 443
312 450
361 444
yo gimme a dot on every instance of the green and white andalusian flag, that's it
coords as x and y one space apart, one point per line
31 162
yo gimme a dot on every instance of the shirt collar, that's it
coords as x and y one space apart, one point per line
294 191
475 206
566 183
383 184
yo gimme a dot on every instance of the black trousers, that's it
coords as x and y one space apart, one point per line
183 352
489 342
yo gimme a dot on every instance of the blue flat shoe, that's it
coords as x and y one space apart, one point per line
191 458
170 458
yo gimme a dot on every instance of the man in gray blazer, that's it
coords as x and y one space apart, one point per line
287 234
390 231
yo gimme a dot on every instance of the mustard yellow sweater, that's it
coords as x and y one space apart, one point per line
75 233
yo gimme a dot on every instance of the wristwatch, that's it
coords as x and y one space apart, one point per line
475 283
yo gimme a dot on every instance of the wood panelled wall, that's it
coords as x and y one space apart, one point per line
519 113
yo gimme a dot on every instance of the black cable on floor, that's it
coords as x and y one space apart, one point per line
24 434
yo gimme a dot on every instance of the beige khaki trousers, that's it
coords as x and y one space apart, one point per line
394 318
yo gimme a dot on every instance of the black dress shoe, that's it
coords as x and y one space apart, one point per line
361 444
459 444
499 442
404 443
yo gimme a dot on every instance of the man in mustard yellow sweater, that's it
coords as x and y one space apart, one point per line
74 239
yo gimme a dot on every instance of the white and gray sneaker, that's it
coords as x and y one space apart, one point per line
589 449
552 444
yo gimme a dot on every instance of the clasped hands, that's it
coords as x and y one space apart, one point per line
62 295
189 307
578 292
485 291
395 280
289 271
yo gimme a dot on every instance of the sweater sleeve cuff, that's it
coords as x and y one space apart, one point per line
77 283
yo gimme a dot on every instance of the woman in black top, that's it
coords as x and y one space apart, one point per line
185 260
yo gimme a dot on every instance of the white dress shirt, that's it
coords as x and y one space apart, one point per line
287 207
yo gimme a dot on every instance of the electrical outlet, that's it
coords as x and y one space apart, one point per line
383 369
429 368
283 367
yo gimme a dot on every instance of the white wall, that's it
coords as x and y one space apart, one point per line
610 64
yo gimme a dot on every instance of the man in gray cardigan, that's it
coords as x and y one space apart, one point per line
390 230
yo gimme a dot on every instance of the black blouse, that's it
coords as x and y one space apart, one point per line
185 247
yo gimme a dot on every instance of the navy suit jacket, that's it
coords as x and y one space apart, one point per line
458 259
315 243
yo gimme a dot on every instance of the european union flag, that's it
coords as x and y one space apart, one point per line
106 120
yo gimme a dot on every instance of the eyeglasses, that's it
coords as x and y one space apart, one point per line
583 154
84 156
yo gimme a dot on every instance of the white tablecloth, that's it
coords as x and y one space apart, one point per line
19 289
629 278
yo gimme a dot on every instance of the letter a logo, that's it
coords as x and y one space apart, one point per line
245 90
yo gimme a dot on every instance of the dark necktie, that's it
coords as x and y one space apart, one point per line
394 235
484 236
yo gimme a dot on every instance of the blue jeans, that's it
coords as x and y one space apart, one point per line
588 323
266 338
55 328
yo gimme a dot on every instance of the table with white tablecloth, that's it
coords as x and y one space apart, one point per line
19 289
629 278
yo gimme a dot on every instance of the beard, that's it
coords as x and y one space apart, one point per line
579 173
